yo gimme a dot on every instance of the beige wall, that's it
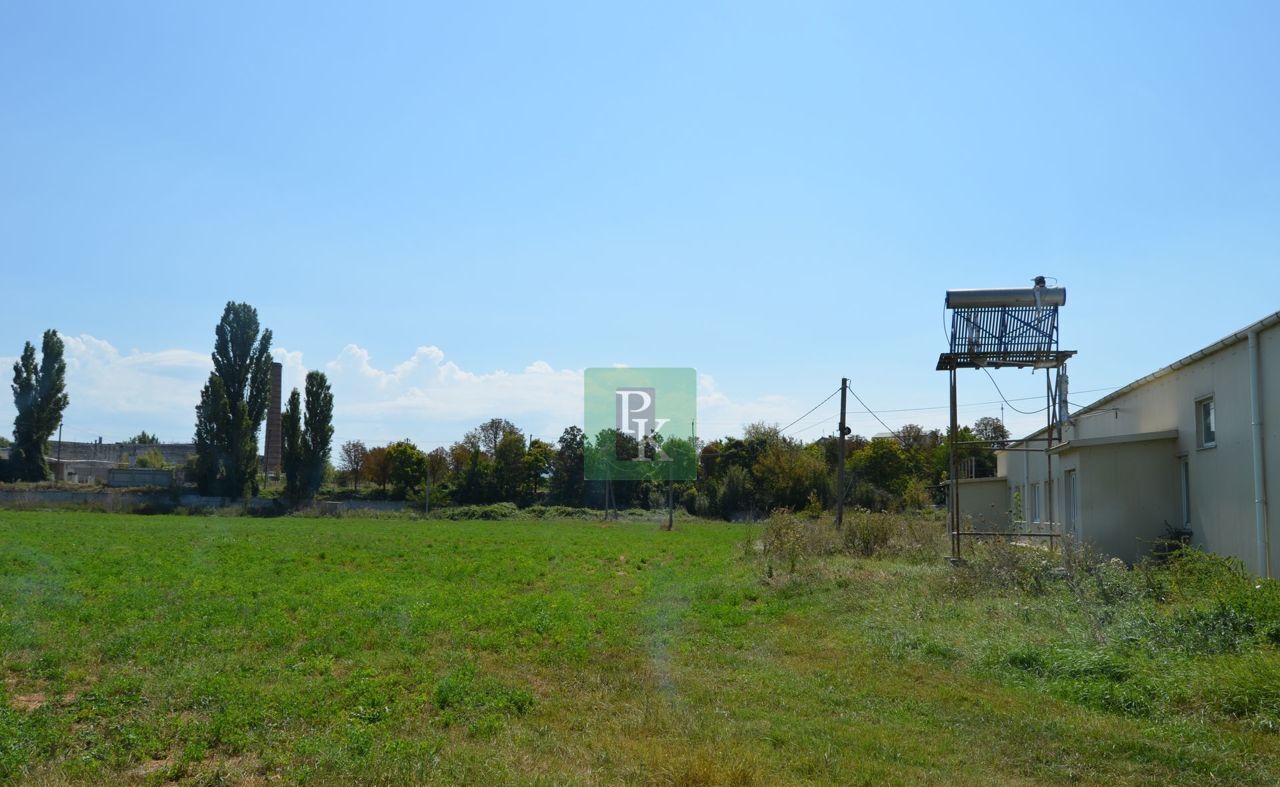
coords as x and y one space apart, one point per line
985 501
1126 493
1221 488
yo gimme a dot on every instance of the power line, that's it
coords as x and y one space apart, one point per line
1006 401
806 415
892 431
979 404
940 406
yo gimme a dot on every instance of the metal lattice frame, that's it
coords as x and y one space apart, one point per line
1016 333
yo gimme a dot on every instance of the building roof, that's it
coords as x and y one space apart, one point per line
1222 344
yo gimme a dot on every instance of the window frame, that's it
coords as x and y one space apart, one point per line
1201 430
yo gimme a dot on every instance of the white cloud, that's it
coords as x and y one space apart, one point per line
433 400
115 395
720 415
426 397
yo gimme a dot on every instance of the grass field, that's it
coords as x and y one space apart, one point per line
238 650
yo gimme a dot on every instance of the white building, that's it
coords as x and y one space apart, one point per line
1194 445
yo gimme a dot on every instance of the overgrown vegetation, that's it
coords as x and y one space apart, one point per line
1190 637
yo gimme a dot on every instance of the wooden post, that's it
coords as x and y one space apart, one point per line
671 523
844 431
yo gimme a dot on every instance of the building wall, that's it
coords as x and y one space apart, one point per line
1221 478
1126 494
173 453
985 503
139 476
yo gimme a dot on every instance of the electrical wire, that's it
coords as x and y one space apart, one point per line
892 431
1006 401
806 415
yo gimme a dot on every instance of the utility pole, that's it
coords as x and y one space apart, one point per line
670 509
844 431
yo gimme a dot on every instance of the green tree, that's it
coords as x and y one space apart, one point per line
292 458
537 465
376 467
971 456
438 473
737 493
568 476
39 396
317 432
489 434
354 455
788 474
992 430
142 438
508 466
407 467
475 479
883 464
233 404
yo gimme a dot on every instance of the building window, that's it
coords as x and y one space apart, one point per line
1033 502
1206 424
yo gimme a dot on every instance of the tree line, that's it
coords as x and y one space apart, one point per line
497 462
736 476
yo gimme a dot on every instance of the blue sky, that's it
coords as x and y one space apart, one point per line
455 208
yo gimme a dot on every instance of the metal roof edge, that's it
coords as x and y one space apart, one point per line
1223 343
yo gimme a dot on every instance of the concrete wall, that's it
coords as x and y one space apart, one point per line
139 476
1126 493
985 501
80 471
1221 477
120 501
173 453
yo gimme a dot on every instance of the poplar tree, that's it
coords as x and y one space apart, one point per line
39 396
233 404
307 438
291 448
317 432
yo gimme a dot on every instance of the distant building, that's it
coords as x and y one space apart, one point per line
87 463
1194 446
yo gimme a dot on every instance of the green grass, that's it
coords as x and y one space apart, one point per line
233 650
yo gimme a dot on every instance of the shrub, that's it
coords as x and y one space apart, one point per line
789 538
152 459
868 534
999 563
